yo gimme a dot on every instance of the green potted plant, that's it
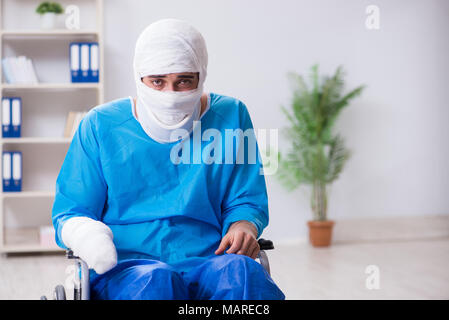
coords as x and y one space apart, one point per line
317 155
48 12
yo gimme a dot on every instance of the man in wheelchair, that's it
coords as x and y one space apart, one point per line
154 206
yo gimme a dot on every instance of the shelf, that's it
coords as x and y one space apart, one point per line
48 48
34 140
50 86
25 240
46 33
27 194
28 248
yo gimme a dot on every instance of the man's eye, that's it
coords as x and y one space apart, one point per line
157 82
185 82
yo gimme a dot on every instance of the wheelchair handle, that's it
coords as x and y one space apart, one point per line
265 244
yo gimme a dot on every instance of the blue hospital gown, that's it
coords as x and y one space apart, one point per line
158 210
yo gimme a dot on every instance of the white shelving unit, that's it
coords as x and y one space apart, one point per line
42 155
51 86
52 33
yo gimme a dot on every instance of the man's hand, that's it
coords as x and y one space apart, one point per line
241 236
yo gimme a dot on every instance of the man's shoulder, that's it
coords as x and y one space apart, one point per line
111 113
118 107
227 107
221 101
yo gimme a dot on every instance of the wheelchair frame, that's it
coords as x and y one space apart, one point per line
81 289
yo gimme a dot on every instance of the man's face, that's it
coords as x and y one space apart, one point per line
183 81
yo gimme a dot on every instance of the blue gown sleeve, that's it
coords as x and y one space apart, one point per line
246 194
81 189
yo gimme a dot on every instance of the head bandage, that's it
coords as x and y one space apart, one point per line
168 46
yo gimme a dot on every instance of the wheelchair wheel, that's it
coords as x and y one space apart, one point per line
59 293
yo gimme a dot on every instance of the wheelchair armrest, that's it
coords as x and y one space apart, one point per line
265 244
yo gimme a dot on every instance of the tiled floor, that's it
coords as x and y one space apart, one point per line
408 269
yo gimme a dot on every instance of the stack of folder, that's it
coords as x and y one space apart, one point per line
11 117
19 70
84 61
12 171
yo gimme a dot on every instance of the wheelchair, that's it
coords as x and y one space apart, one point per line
81 289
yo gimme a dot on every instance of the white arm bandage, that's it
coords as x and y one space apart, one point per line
91 240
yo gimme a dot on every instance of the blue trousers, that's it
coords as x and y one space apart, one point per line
222 277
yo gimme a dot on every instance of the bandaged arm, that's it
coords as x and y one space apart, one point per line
81 192
246 194
90 240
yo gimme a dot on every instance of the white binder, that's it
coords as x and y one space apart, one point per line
84 61
74 57
6 117
94 57
16 166
75 62
16 117
6 171
6 165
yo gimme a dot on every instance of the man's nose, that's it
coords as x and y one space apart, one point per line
170 87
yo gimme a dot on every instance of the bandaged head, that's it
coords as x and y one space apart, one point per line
164 47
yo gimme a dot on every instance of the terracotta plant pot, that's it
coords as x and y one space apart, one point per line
320 232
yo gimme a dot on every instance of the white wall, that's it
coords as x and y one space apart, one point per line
397 130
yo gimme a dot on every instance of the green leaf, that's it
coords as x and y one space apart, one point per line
46 6
316 154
